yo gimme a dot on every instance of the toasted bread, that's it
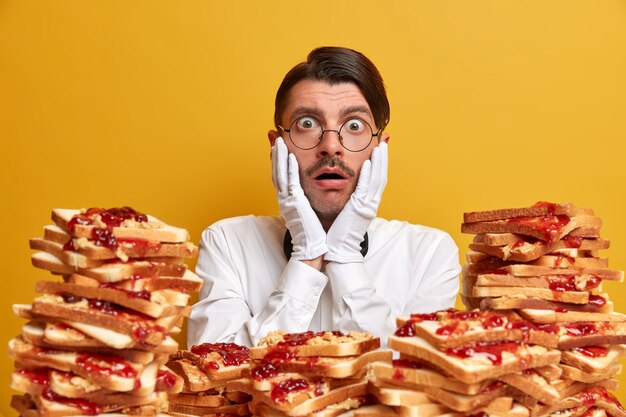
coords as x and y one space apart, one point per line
155 304
334 367
577 334
189 282
150 229
524 251
459 328
539 209
127 248
597 304
112 272
317 343
514 357
403 373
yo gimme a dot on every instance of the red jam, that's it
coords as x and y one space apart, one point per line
264 371
112 217
406 330
167 378
406 363
551 206
142 331
592 351
561 310
487 350
106 365
580 328
36 376
299 339
88 408
562 283
518 244
597 300
590 396
104 237
69 298
549 226
279 354
559 258
141 246
143 294
573 241
289 386
232 354
417 317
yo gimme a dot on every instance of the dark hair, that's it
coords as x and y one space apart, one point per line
335 65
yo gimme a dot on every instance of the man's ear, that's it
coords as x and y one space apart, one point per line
385 138
272 135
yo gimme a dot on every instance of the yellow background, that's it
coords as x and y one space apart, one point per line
165 105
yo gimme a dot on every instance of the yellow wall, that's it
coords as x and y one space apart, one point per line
165 105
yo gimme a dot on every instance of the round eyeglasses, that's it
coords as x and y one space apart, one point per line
354 134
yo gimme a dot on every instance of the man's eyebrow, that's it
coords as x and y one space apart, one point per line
355 109
303 111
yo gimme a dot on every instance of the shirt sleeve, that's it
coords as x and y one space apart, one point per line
356 305
223 314
439 284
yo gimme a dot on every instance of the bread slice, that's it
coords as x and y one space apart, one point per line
82 336
595 396
133 248
578 334
523 250
540 209
388 394
328 343
220 361
411 374
596 304
114 271
189 282
105 315
153 229
195 380
533 384
154 304
118 374
459 328
290 393
496 266
593 358
557 282
199 400
574 297
549 229
334 367
484 361
551 316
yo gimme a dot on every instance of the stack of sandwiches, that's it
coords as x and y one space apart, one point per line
98 338
542 264
464 362
206 370
311 373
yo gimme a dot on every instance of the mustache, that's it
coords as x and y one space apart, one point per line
333 162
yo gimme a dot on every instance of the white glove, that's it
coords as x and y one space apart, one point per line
307 234
346 234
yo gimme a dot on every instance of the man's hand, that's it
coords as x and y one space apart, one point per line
307 234
346 234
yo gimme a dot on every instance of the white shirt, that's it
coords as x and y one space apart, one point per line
251 289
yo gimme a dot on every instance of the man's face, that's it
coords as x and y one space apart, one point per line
328 172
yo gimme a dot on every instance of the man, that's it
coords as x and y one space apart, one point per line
327 263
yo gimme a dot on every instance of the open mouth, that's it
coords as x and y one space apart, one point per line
329 176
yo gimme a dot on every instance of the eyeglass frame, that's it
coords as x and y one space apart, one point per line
319 140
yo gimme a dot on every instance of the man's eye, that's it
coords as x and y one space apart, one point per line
355 125
307 123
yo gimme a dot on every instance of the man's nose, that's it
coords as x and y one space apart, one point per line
330 144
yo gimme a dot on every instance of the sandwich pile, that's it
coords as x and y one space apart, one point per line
541 264
97 340
311 373
207 369
464 362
